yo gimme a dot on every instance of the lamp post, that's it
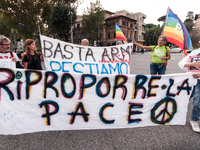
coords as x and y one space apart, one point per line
134 35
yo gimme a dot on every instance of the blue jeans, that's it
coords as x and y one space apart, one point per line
157 68
196 102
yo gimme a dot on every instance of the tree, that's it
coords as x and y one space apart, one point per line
195 36
4 28
148 26
63 16
152 34
30 13
162 18
189 24
190 15
92 21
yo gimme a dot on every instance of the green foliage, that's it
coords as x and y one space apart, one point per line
92 21
152 34
4 28
63 16
148 26
189 24
162 18
30 13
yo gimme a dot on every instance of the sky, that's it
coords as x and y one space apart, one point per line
153 9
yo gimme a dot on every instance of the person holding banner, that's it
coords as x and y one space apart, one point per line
32 59
85 42
5 53
119 42
160 55
186 64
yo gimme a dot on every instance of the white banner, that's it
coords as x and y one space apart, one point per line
33 101
68 57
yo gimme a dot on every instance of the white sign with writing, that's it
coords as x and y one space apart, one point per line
7 63
33 101
68 57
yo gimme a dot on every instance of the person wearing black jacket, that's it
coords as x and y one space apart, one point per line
32 59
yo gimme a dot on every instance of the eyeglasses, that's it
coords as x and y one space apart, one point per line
5 44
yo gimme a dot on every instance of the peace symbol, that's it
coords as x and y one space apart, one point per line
164 111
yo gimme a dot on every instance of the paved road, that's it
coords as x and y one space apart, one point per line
142 138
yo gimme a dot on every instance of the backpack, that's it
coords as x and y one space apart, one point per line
165 63
18 65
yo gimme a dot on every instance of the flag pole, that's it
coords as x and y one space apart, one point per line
134 31
165 20
39 29
115 33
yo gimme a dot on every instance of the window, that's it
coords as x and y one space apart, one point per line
108 35
123 23
108 24
114 35
113 23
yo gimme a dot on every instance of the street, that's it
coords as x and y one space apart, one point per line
140 138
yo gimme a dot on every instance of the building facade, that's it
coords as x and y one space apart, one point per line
131 24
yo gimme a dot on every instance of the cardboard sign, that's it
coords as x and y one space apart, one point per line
193 59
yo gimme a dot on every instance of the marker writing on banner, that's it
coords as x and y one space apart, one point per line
65 51
68 80
116 88
93 68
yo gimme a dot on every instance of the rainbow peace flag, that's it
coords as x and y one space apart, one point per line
119 34
176 32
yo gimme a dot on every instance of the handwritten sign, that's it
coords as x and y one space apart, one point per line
33 101
67 57
193 59
7 63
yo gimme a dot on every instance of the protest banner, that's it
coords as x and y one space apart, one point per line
68 57
33 101
7 63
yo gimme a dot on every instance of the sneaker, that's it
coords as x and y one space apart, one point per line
195 126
